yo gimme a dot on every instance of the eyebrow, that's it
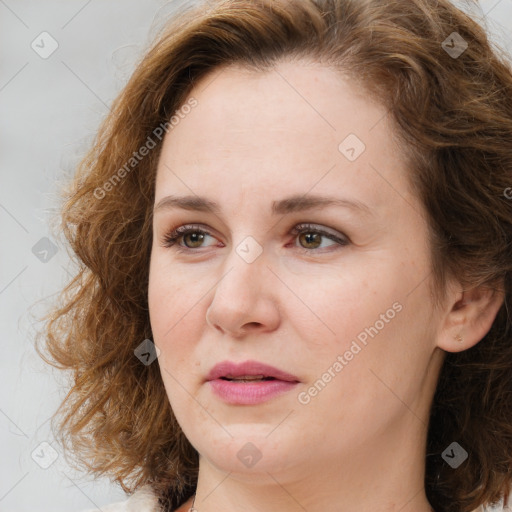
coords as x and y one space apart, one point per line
296 203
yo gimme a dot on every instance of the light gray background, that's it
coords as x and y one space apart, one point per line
50 109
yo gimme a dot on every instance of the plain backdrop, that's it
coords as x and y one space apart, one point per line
61 65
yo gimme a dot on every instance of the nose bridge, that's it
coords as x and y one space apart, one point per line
245 267
242 296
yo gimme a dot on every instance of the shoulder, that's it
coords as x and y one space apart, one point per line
142 500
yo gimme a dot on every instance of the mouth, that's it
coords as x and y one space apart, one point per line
249 383
248 371
248 378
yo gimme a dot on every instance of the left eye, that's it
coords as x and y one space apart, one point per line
193 237
312 235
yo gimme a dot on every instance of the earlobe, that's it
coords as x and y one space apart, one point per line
470 318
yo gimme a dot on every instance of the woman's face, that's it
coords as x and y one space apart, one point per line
341 306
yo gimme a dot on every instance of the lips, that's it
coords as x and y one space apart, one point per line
248 371
249 383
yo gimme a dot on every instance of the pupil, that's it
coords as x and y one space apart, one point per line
196 237
312 238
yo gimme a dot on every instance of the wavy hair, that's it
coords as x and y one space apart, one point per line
453 116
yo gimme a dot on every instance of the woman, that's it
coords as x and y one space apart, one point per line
294 234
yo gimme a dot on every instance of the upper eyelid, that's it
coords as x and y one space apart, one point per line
181 231
185 228
297 225
337 237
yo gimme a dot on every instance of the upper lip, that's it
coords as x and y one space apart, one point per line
231 369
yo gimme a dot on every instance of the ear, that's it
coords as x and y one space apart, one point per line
470 315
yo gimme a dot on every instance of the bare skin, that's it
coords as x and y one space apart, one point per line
358 442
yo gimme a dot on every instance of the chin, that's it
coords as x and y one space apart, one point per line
249 451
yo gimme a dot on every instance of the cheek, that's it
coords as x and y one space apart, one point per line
168 295
166 311
366 318
173 330
158 302
177 316
335 308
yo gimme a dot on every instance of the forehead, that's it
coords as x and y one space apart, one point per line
295 127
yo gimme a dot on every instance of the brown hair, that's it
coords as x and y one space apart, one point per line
454 118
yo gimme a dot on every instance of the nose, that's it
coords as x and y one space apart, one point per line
246 298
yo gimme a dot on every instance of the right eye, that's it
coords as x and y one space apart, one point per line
193 236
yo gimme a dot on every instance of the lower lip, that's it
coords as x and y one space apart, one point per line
249 393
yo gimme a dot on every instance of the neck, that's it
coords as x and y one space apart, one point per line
384 477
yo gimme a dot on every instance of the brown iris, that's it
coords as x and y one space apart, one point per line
197 238
311 238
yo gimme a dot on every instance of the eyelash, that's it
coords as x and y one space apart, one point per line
169 240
